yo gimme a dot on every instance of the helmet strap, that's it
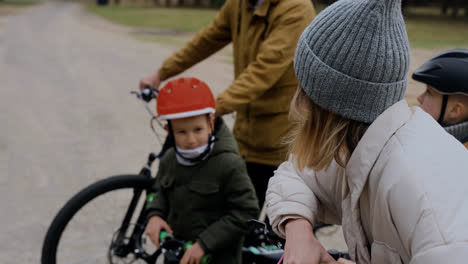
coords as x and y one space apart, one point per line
443 109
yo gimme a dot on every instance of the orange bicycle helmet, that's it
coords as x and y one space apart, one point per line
184 97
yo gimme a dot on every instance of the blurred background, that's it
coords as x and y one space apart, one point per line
432 25
67 118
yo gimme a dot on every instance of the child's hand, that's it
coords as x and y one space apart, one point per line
154 227
193 255
345 261
301 245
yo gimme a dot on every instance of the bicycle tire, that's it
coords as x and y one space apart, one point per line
78 201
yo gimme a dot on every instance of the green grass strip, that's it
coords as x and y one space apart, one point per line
178 19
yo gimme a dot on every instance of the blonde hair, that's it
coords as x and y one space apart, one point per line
320 136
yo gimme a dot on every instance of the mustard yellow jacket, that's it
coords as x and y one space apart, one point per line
264 41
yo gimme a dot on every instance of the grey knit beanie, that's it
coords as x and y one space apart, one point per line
353 59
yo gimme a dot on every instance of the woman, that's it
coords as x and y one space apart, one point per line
360 157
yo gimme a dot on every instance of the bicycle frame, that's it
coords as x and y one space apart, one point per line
118 246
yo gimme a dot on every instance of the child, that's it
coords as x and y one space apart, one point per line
203 191
446 95
389 174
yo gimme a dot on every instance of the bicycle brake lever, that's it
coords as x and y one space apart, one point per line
137 93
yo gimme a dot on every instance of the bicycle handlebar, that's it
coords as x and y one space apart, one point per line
272 238
174 249
146 94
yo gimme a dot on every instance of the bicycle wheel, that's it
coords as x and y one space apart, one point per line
83 230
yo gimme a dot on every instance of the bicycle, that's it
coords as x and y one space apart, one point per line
126 241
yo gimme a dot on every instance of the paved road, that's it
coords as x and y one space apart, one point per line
66 115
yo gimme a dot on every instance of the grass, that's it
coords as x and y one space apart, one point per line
426 27
178 19
166 40
12 7
18 3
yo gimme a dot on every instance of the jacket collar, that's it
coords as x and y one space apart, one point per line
225 141
358 169
262 10
459 131
371 144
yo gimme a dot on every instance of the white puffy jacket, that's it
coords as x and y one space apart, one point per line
402 198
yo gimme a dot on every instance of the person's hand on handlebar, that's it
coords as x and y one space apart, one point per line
155 225
152 80
193 255
301 245
345 261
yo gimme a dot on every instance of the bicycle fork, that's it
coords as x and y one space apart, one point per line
122 247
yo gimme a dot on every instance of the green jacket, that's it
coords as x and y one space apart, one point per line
264 41
209 202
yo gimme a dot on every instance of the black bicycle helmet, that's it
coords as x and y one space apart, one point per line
447 73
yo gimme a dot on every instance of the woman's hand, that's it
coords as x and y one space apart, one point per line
301 245
154 227
193 254
345 261
153 80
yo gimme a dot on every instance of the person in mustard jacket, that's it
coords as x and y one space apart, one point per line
446 95
264 35
202 191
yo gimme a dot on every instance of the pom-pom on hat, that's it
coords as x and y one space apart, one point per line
185 97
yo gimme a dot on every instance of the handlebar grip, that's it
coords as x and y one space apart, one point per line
147 94
164 235
206 259
337 254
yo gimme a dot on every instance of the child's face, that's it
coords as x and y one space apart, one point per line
192 132
431 102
